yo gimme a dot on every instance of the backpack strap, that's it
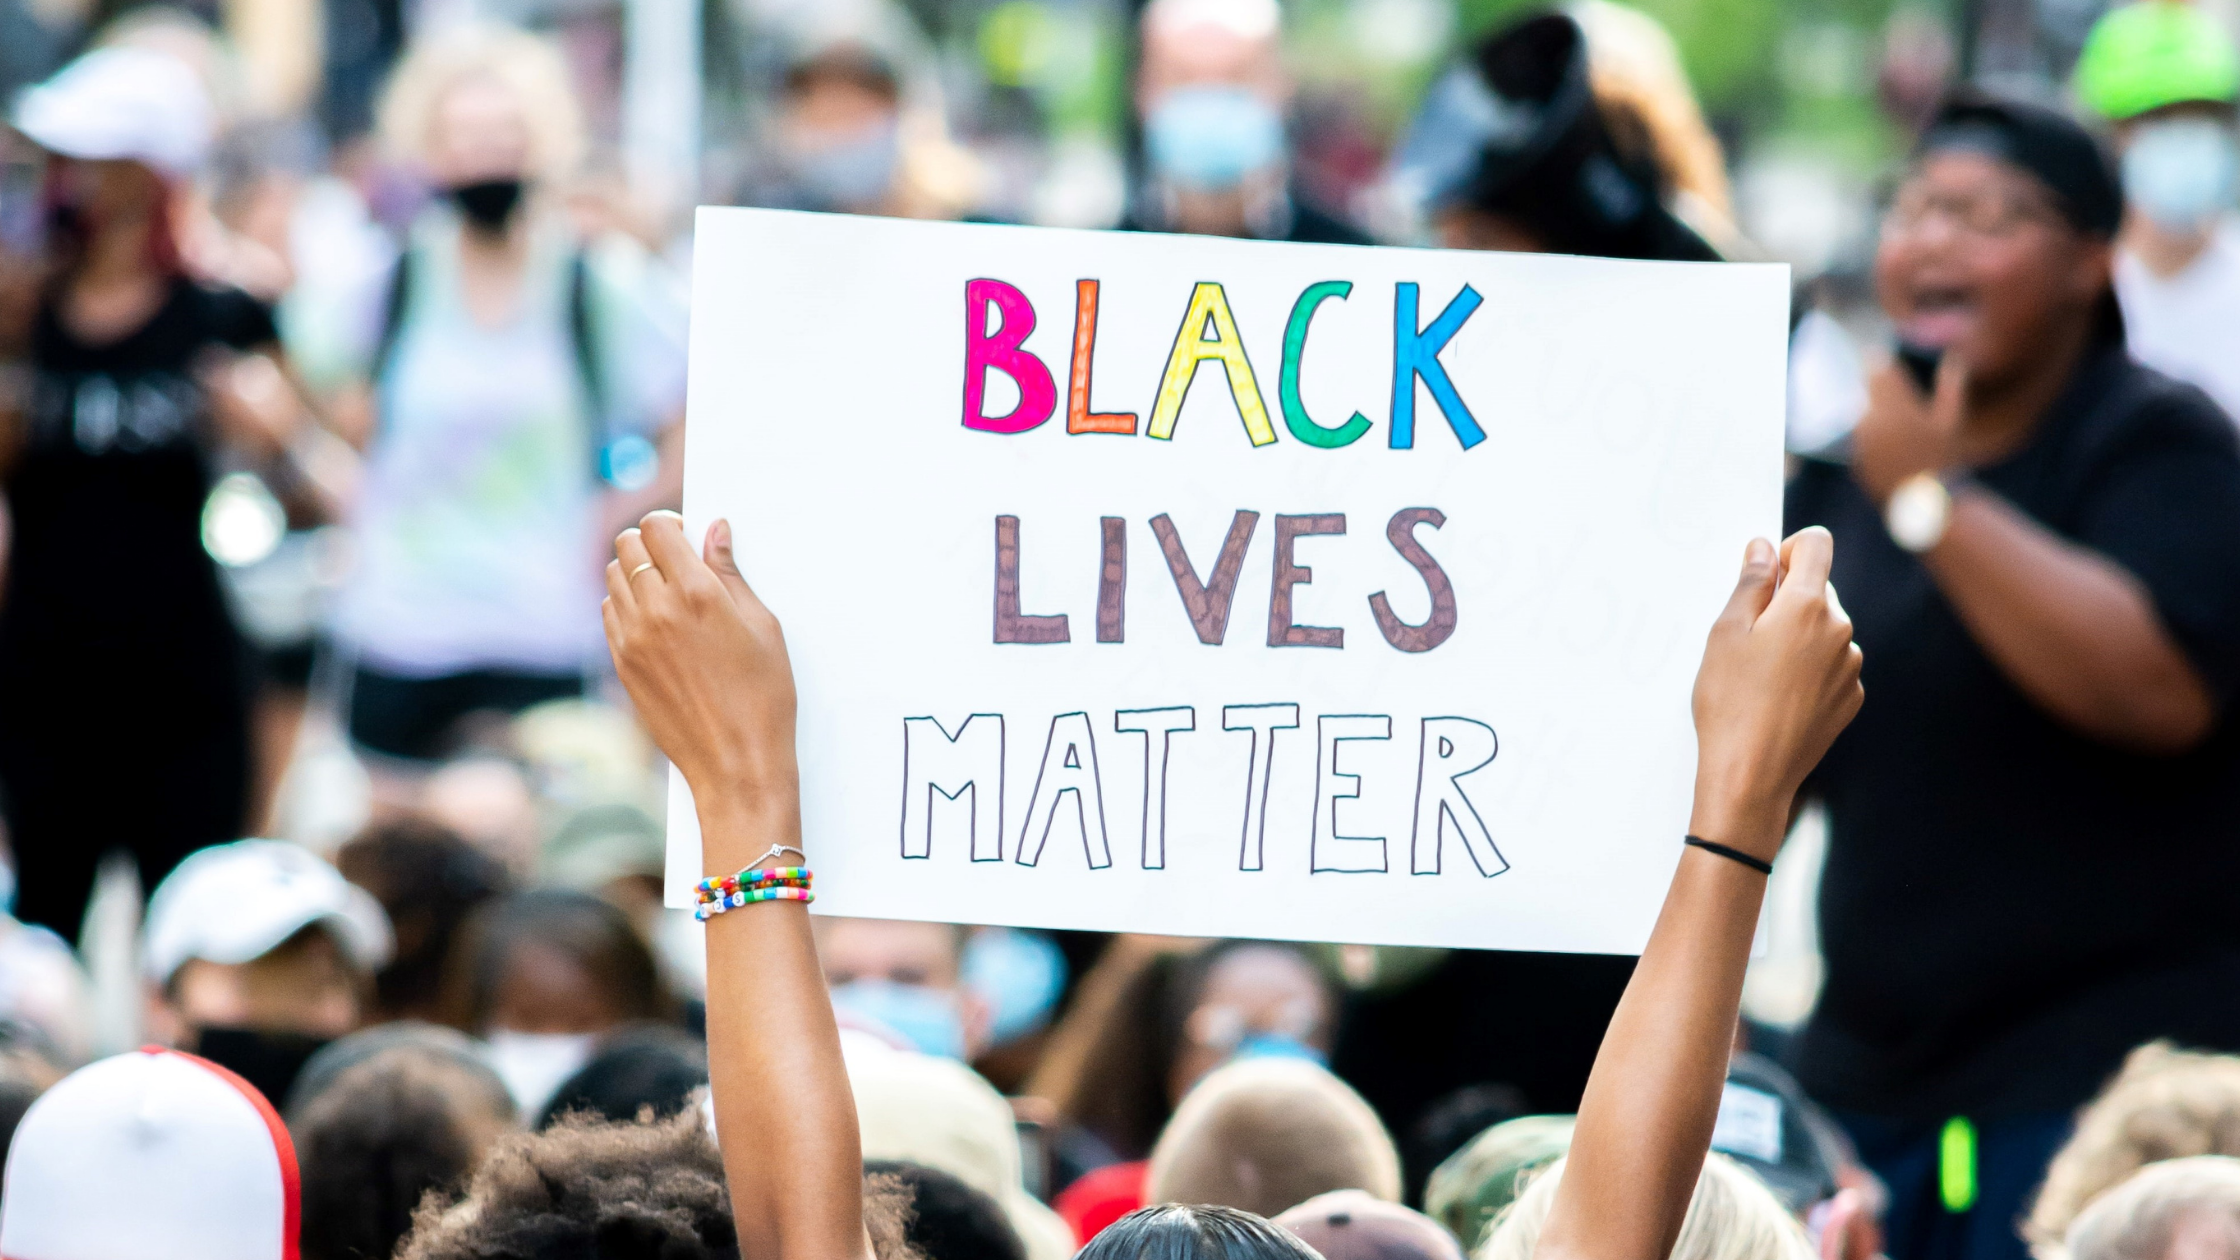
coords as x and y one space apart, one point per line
583 345
584 342
394 301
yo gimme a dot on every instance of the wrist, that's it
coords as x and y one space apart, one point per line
1918 510
1741 817
744 778
738 825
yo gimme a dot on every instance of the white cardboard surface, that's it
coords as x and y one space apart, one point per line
1631 417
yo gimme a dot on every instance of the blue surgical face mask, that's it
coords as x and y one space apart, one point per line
1275 1045
1018 974
926 1018
850 174
2180 172
1208 137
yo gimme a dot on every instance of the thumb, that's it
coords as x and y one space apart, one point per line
1754 589
717 552
1948 402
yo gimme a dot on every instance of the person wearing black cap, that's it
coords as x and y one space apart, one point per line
2031 866
1514 151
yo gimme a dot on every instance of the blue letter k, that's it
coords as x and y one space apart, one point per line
1416 354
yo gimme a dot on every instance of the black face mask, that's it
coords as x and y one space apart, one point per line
488 204
271 1061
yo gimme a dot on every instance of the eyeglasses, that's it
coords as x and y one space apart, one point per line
1988 215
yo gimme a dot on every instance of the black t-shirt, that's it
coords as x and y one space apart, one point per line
108 491
123 681
2008 905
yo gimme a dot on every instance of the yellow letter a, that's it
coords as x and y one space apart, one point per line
1192 347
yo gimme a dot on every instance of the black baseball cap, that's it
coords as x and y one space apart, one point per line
1767 1125
2050 146
1515 130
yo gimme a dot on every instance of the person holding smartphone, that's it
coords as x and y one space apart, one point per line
2031 866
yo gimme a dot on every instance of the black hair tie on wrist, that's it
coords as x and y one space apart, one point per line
1760 865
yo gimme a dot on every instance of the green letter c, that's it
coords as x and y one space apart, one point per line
1295 417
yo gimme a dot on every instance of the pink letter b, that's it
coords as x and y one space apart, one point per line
1038 394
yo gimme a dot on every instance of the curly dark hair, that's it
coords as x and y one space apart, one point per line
588 1189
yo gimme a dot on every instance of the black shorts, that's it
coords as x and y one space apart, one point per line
288 666
425 719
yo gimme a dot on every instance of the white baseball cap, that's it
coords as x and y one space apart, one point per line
151 1155
122 102
231 903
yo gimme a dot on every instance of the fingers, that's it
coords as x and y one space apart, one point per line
1835 605
717 552
1949 400
611 617
620 598
1754 589
663 535
1808 555
637 562
1889 387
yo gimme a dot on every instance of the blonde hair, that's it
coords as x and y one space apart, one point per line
2165 1104
2137 1220
1269 1134
530 66
1731 1217
1635 68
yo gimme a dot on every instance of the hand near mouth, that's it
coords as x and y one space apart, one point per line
1904 431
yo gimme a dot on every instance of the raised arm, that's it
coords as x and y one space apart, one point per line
706 665
1779 680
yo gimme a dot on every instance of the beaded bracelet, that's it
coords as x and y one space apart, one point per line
717 894
752 877
709 909
716 888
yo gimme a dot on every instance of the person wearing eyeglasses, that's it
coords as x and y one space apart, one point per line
2032 863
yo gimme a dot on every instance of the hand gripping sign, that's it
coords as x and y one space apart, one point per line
1231 588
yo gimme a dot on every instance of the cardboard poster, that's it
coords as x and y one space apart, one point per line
1233 588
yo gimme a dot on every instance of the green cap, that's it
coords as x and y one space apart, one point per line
1468 1192
2154 53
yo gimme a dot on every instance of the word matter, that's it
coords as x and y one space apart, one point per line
966 769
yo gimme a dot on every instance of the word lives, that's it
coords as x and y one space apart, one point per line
955 787
1206 599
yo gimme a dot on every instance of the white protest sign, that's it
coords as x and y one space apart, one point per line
1210 587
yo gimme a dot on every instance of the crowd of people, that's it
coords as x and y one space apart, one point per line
380 449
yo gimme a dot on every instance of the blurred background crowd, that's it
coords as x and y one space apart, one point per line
353 329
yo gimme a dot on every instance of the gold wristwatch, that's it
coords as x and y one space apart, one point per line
1919 511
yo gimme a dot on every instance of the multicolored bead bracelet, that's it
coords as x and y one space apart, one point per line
716 888
709 909
717 894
